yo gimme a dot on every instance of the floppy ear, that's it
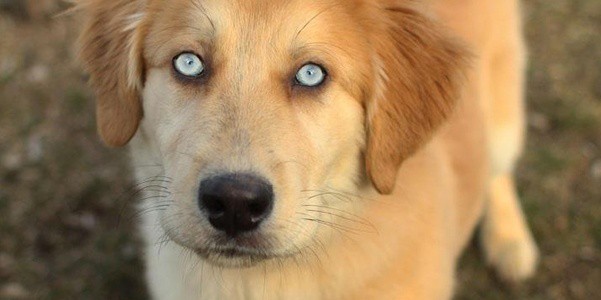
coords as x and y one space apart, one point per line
111 51
417 84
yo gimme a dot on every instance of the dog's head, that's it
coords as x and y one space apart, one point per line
265 114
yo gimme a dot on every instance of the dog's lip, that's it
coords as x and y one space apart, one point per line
234 252
252 247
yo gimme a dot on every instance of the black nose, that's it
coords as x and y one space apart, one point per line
236 203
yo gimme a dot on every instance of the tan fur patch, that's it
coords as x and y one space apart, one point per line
416 91
111 52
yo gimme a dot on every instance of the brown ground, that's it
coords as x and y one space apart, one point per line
64 234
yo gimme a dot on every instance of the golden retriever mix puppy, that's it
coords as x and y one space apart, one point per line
328 149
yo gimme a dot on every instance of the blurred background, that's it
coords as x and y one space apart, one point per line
67 214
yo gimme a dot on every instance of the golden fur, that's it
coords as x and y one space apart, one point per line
380 175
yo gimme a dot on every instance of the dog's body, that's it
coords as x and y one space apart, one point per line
396 236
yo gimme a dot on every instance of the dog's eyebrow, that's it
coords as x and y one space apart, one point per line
314 17
198 5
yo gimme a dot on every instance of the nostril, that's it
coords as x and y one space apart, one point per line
214 205
257 209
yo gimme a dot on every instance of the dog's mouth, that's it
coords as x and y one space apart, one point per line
239 253
239 257
234 257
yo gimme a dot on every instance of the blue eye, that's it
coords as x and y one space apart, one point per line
188 64
310 75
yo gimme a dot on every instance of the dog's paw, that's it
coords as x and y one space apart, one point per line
515 260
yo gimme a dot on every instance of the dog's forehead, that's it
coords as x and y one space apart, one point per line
256 13
256 21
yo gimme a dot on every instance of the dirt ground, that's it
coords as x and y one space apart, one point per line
65 235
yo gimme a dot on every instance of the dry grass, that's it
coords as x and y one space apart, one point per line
64 234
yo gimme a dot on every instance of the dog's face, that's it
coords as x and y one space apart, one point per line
265 114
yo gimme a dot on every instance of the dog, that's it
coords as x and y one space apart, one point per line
330 149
